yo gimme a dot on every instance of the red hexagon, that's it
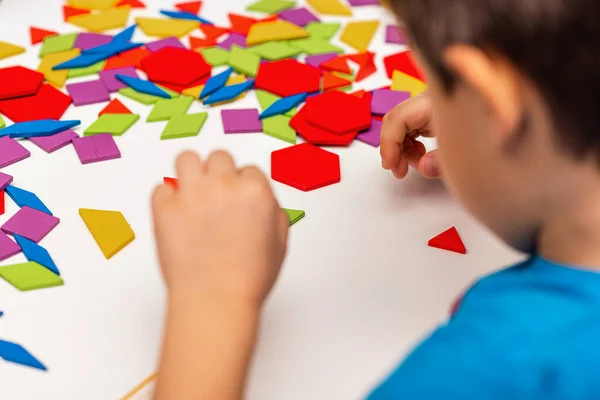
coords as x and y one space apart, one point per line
175 66
338 112
305 167
288 77
316 135
19 82
47 103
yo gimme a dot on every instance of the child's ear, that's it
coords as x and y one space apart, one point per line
494 79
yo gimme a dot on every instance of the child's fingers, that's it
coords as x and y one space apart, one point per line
393 133
220 163
189 168
429 166
414 152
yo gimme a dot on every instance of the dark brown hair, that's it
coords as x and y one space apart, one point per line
556 43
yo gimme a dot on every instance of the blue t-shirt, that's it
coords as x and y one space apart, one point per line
528 332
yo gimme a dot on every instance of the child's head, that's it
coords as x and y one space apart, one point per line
515 87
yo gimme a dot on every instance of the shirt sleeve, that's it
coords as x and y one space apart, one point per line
455 362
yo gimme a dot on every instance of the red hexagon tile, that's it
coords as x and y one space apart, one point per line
288 77
175 66
305 167
338 112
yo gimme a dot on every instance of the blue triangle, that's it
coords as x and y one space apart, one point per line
185 15
215 83
35 252
229 92
24 198
283 105
42 127
15 353
142 86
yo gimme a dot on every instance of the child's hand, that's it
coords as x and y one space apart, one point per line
399 147
221 236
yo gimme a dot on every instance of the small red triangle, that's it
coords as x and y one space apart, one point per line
366 62
332 81
69 12
338 64
213 32
1 201
173 182
38 35
240 23
131 3
449 240
403 62
199 43
190 6
115 107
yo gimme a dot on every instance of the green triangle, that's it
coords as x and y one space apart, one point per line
271 6
215 56
294 215
2 123
314 45
279 127
322 30
275 50
266 99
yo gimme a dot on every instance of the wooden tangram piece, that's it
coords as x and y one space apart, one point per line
366 62
404 62
407 83
189 6
332 81
93 4
330 7
240 23
103 20
38 35
58 77
449 240
110 230
69 12
164 28
276 30
9 50
358 34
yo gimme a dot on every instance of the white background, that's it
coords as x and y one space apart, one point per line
358 290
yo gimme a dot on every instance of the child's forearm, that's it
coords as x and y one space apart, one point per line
207 349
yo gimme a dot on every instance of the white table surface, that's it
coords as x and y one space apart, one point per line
358 289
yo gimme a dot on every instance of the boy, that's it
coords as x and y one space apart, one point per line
514 95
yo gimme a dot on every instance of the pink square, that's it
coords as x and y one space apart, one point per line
11 151
96 148
54 142
31 224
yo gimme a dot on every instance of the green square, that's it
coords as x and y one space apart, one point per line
57 44
184 126
115 124
279 127
322 30
314 46
266 99
271 6
275 50
30 276
165 109
215 56
243 61
2 123
91 70
143 98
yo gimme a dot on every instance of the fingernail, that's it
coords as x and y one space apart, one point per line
430 167
414 164
384 164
